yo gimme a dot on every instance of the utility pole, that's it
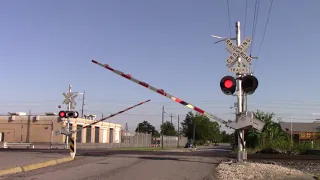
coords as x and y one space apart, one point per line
178 132
194 131
68 120
28 128
83 97
51 138
171 117
241 149
291 131
162 127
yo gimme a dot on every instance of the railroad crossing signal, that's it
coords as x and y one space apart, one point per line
238 51
68 114
249 84
228 85
69 98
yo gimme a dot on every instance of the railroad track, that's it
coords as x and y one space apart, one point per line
233 155
279 157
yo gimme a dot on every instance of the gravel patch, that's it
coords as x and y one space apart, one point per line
304 166
258 171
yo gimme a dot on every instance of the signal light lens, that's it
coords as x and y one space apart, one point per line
70 114
62 114
228 83
249 84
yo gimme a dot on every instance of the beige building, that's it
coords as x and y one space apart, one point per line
42 129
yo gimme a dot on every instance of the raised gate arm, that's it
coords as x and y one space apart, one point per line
161 91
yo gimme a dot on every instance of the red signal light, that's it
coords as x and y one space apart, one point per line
62 114
228 85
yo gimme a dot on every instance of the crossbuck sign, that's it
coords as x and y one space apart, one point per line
236 52
69 98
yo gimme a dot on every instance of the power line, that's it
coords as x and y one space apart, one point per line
124 102
29 101
245 18
255 21
222 114
264 33
280 105
229 17
212 104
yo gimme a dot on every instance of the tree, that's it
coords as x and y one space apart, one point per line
226 138
271 134
146 127
168 129
204 128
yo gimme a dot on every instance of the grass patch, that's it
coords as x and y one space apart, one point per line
284 145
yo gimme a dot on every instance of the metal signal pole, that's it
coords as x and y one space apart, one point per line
68 120
241 148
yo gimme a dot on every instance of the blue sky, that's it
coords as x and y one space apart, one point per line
47 45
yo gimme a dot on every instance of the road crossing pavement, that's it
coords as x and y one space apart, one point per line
101 164
127 167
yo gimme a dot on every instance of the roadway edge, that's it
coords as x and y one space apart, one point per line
35 166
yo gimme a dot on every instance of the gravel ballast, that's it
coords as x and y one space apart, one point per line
259 171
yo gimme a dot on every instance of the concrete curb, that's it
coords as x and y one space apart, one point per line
31 167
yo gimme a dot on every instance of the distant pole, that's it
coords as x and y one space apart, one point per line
162 127
28 128
178 131
83 97
194 131
291 130
171 117
51 138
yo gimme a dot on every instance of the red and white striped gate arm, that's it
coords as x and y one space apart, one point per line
161 91
113 115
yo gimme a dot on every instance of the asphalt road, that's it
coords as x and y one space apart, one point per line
13 159
204 151
131 165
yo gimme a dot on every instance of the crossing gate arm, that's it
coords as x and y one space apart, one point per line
161 92
112 115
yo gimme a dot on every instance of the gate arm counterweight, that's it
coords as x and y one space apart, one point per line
162 92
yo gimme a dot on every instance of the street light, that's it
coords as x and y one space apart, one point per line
222 38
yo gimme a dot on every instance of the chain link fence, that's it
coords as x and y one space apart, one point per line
138 140
170 141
